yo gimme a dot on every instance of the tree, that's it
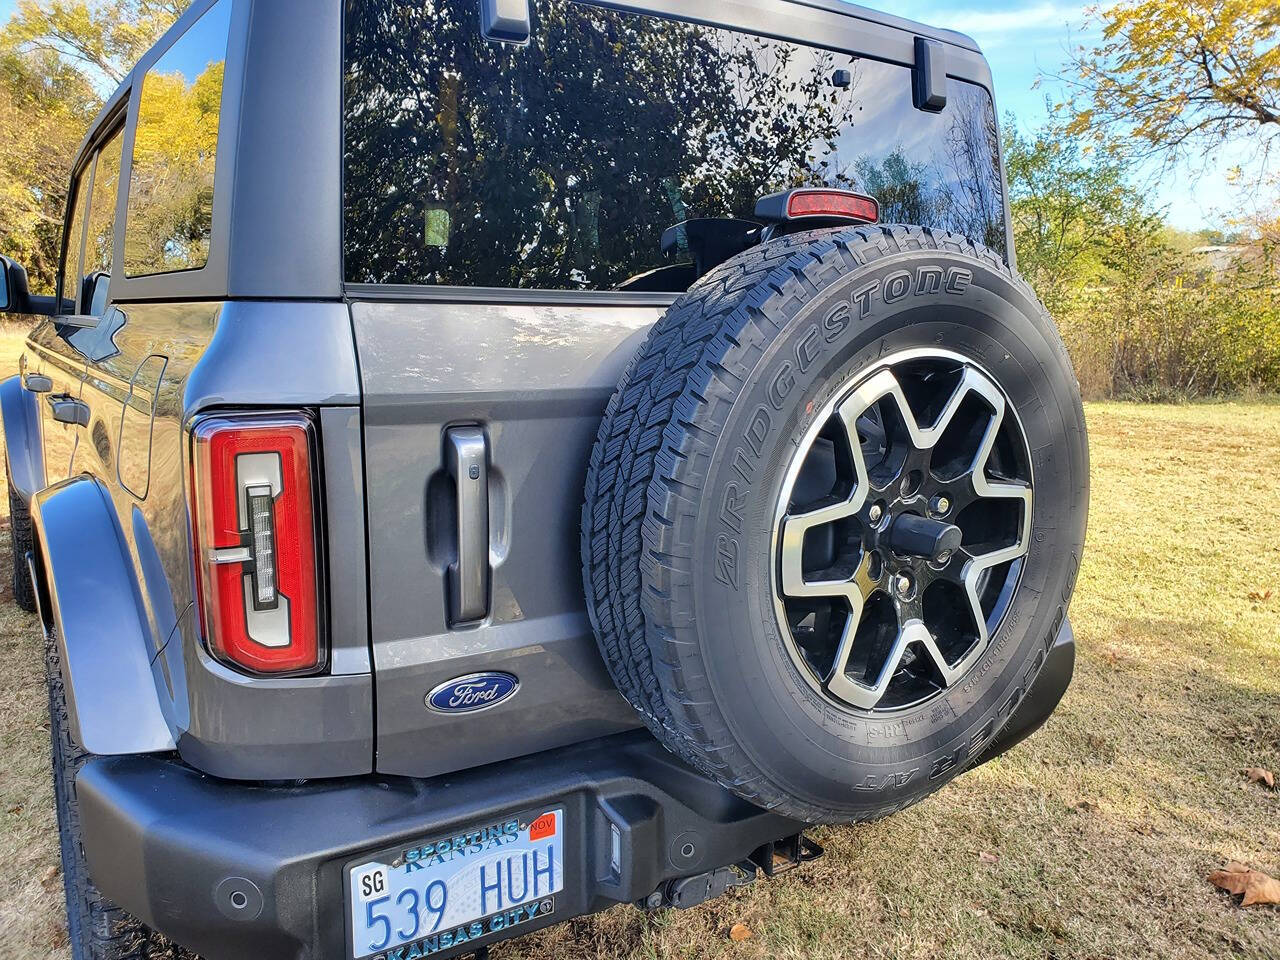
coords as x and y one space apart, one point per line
45 107
58 59
101 39
1068 214
1174 79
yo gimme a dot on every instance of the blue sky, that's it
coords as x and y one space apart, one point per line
1029 39
1025 39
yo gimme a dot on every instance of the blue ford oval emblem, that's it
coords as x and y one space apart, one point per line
476 691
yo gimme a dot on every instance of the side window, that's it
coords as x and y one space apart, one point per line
95 270
170 214
71 274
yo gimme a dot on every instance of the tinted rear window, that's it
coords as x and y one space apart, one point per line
559 165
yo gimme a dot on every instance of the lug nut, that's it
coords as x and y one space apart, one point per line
940 506
903 585
876 513
944 558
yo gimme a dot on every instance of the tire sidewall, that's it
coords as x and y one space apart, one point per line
800 740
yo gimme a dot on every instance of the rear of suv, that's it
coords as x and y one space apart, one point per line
490 460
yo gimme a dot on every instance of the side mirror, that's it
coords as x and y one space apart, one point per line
13 286
14 295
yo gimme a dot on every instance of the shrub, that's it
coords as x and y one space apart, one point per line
1159 332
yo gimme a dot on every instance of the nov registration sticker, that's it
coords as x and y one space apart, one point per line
429 897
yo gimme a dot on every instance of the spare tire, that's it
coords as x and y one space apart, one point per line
834 515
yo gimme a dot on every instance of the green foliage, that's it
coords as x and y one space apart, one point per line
45 107
58 58
1173 79
1142 314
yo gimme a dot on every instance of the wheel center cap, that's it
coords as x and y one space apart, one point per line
913 536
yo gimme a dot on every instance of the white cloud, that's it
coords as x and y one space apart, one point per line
1040 16
998 28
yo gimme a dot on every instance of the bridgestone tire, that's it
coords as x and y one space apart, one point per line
687 471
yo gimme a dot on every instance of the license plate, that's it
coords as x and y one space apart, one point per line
417 900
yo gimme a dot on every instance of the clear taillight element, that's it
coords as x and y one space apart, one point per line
256 547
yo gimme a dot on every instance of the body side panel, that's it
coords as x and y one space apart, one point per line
167 363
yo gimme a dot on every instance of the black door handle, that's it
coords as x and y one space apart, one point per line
37 383
67 409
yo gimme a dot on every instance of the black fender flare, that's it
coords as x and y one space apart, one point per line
21 412
103 638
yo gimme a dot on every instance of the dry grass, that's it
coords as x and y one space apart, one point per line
1102 828
32 921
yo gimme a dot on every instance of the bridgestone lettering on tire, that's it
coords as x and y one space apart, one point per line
834 515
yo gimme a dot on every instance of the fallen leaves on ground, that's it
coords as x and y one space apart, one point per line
1259 775
988 857
1256 886
1259 596
739 932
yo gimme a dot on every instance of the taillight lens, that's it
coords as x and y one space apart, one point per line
833 203
254 513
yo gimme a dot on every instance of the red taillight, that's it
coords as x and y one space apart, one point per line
832 203
255 541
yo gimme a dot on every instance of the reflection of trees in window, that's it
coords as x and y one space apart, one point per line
958 186
905 190
971 167
171 183
560 164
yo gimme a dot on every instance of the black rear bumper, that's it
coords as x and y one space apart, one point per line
232 870
180 850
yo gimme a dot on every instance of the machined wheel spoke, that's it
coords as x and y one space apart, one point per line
868 696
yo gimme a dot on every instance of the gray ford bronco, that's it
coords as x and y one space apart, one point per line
490 460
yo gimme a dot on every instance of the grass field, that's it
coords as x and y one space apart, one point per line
1091 840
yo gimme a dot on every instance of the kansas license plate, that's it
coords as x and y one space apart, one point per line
417 900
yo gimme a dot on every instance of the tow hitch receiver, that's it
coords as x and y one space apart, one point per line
779 856
771 859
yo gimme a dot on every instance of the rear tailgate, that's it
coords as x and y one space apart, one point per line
534 379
